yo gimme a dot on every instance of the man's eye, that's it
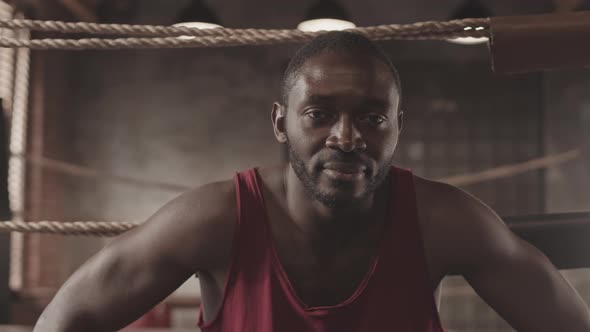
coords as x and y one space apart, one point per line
373 119
318 115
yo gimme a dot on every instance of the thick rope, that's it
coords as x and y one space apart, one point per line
87 228
513 169
222 37
92 173
106 229
494 173
174 31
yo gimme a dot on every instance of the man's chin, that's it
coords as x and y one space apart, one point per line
340 200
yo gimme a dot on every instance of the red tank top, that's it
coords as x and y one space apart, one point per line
395 294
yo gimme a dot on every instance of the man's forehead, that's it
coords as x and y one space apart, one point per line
340 66
346 74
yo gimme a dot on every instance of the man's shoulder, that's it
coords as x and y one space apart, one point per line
210 202
207 211
427 188
436 199
440 198
219 190
198 225
462 228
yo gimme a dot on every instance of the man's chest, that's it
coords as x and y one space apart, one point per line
324 280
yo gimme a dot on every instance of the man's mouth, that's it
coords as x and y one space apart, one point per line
344 171
343 167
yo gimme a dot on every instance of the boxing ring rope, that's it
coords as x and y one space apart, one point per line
110 228
87 228
477 26
92 173
512 169
167 37
562 237
457 180
552 40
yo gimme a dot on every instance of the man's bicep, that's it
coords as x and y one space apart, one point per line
141 267
513 277
114 287
192 232
527 291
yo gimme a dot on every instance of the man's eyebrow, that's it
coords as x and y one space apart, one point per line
320 99
373 103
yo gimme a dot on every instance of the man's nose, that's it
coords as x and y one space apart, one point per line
345 136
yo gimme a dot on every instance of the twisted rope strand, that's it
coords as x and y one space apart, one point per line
107 229
175 42
174 31
92 173
504 171
223 37
85 228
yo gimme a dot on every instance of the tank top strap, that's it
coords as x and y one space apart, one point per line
253 240
406 245
404 211
250 258
250 202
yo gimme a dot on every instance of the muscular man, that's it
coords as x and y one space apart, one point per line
336 240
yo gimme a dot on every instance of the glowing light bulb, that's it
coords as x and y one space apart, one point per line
325 24
469 40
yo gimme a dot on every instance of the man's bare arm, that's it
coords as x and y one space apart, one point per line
140 268
513 277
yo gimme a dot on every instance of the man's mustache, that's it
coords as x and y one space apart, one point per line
345 157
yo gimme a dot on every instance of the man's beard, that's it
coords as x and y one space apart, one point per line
311 185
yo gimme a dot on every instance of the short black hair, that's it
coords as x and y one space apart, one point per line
343 41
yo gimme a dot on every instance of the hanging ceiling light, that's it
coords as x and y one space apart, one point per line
326 15
470 9
199 16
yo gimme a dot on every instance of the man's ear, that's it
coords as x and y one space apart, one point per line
278 114
400 120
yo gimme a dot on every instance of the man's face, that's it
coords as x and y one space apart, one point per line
341 126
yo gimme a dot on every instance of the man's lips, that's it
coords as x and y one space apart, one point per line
344 171
348 168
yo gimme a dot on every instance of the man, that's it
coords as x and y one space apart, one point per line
337 240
